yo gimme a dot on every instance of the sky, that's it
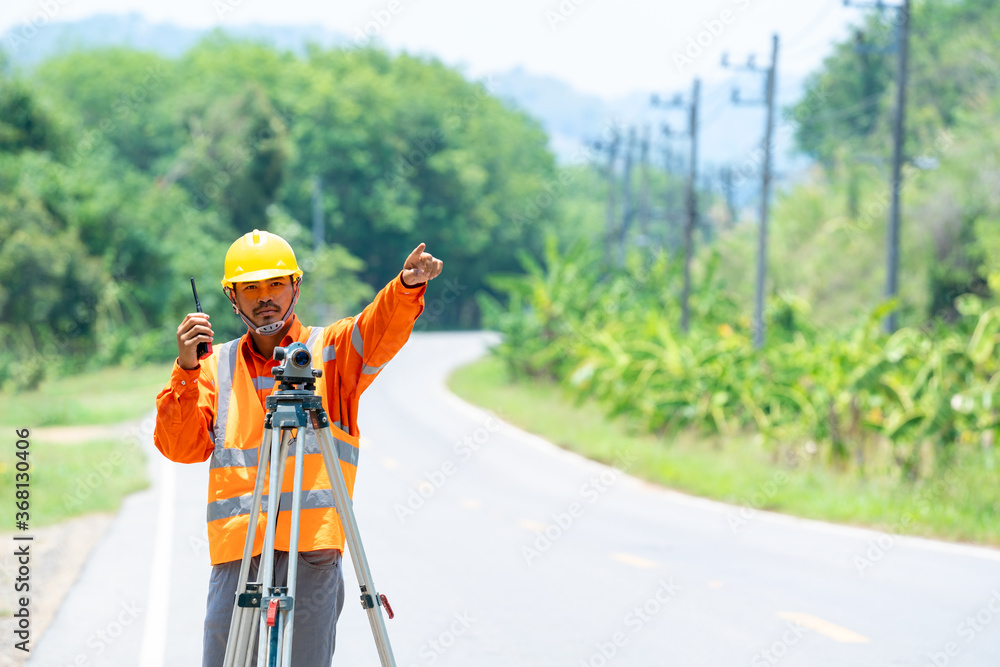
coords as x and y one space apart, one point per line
606 47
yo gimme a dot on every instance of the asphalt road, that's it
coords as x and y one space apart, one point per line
498 548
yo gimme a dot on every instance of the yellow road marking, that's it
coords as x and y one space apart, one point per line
533 526
634 561
831 630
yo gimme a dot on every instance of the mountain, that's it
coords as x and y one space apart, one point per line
727 133
135 31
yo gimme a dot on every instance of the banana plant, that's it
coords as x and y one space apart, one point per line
615 338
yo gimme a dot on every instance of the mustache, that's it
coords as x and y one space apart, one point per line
265 306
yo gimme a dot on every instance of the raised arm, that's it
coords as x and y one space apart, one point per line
367 342
185 409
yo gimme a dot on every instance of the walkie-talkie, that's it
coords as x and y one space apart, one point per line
204 349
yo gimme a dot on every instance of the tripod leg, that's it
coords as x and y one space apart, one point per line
293 546
237 643
345 508
276 656
251 615
248 625
278 456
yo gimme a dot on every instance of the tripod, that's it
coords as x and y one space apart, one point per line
260 606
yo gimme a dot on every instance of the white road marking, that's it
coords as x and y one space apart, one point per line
154 633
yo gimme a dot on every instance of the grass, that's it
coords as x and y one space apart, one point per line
107 396
69 480
962 504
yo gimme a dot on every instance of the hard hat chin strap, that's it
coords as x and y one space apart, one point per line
273 327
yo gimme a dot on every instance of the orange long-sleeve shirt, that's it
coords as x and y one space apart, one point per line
353 351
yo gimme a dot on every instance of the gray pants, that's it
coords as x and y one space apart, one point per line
319 598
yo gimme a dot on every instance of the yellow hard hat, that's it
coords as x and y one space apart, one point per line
259 256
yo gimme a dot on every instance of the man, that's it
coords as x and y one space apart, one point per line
214 408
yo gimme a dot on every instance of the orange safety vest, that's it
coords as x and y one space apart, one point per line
233 470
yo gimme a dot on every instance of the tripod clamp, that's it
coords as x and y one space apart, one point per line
254 599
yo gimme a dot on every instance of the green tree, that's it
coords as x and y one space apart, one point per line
23 124
113 97
408 151
236 158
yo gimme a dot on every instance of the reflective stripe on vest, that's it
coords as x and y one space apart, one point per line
233 457
359 347
230 507
224 389
226 457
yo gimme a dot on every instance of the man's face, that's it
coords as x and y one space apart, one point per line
264 301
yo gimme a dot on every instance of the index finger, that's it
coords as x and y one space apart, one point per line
195 319
415 255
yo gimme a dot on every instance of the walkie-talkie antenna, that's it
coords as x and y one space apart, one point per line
204 349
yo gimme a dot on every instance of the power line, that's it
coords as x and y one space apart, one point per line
715 114
815 22
862 105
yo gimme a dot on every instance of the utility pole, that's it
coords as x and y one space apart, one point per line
671 237
705 223
692 203
726 176
319 240
691 198
898 140
759 329
765 197
609 171
317 205
902 49
644 191
628 210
